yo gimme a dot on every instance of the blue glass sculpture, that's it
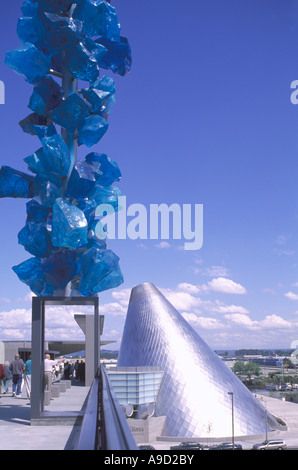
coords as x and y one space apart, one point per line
47 94
67 40
29 61
69 225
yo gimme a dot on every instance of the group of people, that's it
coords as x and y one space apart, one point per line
70 370
17 372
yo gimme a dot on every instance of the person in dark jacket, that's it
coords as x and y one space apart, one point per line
17 367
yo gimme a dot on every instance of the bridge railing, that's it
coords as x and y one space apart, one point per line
104 426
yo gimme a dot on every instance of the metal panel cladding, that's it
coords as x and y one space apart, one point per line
197 388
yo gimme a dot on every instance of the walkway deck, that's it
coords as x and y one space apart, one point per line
17 433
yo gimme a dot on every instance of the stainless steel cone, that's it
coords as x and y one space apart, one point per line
195 393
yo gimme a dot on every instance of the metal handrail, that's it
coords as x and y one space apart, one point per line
89 437
115 432
104 426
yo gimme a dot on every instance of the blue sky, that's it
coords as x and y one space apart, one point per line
204 117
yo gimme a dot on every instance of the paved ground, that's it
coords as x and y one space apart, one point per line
16 432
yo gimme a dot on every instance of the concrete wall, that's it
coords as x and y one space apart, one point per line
11 348
2 351
146 430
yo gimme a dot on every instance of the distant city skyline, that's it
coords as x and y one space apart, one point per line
206 116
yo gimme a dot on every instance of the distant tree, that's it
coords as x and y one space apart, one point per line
246 369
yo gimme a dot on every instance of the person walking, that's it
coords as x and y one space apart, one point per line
2 376
8 378
17 367
28 377
48 372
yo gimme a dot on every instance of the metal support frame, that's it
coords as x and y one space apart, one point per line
38 342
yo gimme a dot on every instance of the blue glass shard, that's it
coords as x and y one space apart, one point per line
95 48
106 108
36 239
81 63
99 18
29 8
31 30
110 281
47 94
14 183
34 124
92 130
57 62
71 112
106 195
48 289
82 180
55 6
96 264
55 156
106 170
59 268
118 58
44 131
88 206
105 84
28 61
35 163
30 272
47 187
36 213
97 98
93 240
63 32
69 225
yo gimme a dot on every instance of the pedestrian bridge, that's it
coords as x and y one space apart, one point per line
80 418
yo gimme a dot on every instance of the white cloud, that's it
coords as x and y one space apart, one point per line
269 290
222 284
203 322
222 308
19 318
282 239
163 245
220 271
13 334
190 288
113 308
270 322
275 321
279 251
291 296
122 296
59 323
241 319
181 300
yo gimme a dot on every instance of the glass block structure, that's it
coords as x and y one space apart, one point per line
195 392
135 385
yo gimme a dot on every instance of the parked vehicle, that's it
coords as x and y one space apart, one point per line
277 444
226 446
188 445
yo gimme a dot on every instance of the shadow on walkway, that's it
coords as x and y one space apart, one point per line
14 410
